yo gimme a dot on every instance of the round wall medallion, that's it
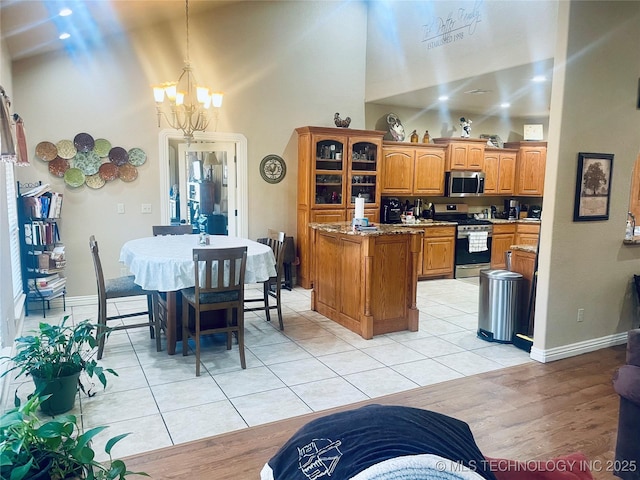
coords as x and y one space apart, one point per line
273 169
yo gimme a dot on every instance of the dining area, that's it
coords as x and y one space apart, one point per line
194 284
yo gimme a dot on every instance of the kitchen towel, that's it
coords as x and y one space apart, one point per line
478 242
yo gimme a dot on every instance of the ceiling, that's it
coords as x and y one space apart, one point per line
31 27
484 94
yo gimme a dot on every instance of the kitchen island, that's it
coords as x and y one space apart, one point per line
366 280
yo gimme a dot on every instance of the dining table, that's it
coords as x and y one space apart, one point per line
165 264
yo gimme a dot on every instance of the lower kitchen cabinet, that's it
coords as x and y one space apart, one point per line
438 252
503 236
527 234
524 262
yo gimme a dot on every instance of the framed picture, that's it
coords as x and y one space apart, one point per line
593 187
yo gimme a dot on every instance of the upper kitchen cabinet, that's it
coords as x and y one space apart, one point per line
531 164
335 166
499 171
463 153
414 169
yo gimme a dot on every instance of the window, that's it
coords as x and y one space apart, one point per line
9 249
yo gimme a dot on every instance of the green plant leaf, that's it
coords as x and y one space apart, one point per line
112 441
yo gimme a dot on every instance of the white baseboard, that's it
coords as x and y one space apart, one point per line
82 301
574 349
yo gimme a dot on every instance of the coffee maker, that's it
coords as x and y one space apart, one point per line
391 210
512 208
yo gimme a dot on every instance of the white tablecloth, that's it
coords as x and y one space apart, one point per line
165 263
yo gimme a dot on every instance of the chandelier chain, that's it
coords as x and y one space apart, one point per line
186 8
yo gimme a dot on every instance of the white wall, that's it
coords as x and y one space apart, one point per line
594 109
281 65
416 44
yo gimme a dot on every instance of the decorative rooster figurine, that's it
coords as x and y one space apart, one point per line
341 123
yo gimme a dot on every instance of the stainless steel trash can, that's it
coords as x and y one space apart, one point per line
500 304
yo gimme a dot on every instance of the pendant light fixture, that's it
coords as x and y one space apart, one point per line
184 104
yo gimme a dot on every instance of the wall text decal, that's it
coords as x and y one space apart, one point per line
457 25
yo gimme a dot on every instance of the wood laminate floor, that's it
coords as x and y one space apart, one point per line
526 412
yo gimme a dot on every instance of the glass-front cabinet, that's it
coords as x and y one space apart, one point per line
363 172
329 172
335 166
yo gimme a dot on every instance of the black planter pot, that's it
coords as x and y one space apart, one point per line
63 391
43 470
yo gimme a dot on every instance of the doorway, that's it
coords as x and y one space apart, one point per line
205 181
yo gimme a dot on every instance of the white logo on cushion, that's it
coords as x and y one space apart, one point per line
319 458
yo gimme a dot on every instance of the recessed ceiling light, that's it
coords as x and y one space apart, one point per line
65 12
505 105
64 36
539 78
443 98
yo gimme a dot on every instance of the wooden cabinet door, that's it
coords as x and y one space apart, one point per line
506 174
438 248
428 178
457 156
502 238
500 244
526 239
438 256
527 234
475 157
328 216
491 172
531 168
397 170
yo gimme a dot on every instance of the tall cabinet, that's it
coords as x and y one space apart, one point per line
335 166
41 251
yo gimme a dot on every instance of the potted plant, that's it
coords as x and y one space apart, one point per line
32 449
55 356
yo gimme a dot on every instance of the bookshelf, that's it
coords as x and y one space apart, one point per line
41 250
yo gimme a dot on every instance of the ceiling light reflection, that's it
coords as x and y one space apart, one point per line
65 12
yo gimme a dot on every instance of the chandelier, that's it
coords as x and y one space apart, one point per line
184 104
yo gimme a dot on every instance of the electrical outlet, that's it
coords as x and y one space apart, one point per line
120 208
146 208
580 314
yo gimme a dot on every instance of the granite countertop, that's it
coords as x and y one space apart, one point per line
524 248
502 220
383 229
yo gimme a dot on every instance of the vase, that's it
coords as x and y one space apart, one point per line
63 391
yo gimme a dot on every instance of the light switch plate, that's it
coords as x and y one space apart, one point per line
146 208
120 208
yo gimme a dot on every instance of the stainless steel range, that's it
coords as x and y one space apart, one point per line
473 239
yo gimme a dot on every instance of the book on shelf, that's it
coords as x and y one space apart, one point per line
50 290
37 191
47 205
44 281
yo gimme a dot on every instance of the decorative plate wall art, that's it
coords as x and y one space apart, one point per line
90 161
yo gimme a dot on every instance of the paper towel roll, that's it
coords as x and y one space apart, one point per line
359 207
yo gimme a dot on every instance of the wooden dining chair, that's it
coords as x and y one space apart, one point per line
272 287
219 285
120 287
182 229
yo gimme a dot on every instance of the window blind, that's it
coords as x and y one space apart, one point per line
14 231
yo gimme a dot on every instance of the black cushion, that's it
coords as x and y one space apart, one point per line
123 287
352 441
217 297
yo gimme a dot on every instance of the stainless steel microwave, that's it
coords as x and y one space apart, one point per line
464 184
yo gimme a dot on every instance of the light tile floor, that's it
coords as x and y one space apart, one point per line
314 364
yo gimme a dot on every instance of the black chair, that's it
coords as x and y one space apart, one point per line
120 287
273 286
219 285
